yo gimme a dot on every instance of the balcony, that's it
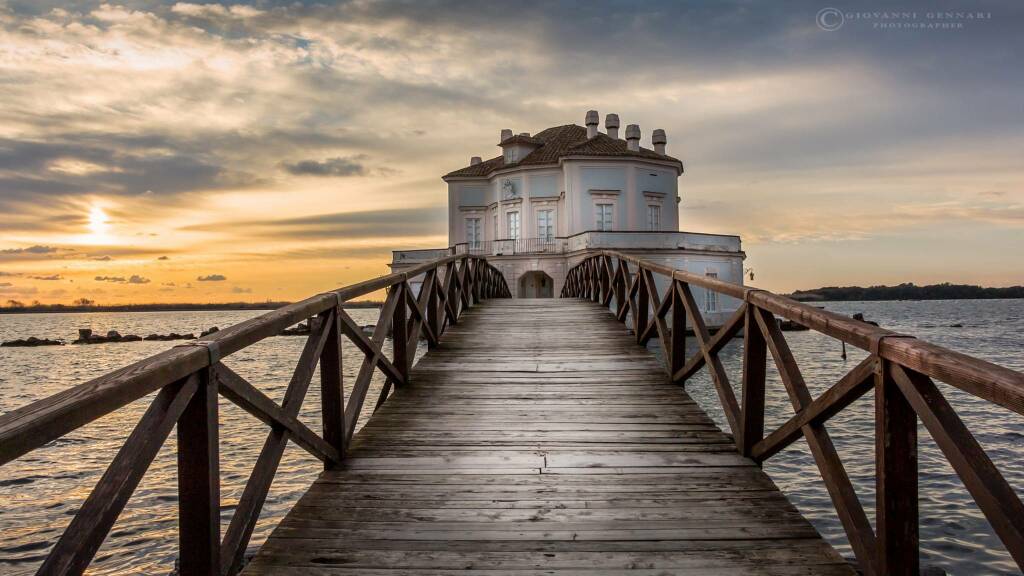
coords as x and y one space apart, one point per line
513 247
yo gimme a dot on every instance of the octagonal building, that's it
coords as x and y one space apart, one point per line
536 208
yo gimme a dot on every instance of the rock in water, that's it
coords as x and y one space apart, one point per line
32 341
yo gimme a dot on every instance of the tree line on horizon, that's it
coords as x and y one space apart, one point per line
908 291
87 305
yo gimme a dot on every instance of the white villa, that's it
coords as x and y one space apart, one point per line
535 209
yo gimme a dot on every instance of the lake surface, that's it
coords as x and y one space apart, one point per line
40 492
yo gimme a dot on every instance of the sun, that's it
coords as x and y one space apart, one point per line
99 226
98 221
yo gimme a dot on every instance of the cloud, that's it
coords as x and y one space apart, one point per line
179 110
338 166
361 225
215 10
5 284
37 249
105 258
163 258
133 279
19 290
212 278
240 290
47 277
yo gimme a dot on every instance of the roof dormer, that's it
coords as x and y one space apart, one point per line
515 148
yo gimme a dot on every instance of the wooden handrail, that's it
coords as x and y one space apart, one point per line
191 376
899 369
981 378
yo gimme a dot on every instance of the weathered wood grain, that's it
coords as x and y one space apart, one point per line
539 438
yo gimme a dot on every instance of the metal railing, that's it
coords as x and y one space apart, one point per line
514 247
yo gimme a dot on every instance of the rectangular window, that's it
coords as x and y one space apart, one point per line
513 225
653 217
497 232
603 217
473 236
710 297
545 225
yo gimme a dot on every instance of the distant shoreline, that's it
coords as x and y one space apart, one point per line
188 307
906 292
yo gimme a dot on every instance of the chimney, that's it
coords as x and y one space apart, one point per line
505 134
592 121
659 141
611 124
474 160
633 137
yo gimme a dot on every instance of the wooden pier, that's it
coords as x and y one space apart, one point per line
535 436
540 439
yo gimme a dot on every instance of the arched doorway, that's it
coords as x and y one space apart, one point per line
536 284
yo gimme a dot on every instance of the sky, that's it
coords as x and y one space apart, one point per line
205 152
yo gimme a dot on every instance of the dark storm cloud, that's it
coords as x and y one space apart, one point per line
212 278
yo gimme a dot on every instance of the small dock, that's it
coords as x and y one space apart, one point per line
538 438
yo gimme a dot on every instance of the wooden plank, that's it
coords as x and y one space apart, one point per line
332 397
726 396
243 522
896 517
850 387
755 358
91 524
199 482
994 496
249 398
568 441
837 481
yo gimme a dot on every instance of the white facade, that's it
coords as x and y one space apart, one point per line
537 208
568 198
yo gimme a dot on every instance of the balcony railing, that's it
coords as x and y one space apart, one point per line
513 246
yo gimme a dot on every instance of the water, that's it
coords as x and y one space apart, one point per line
40 492
954 533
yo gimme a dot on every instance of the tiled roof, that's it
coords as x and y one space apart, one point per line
558 142
520 139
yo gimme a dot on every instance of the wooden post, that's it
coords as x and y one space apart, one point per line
620 289
199 481
896 519
400 333
678 345
433 314
332 396
755 358
642 305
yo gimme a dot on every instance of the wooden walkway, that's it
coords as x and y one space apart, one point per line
540 439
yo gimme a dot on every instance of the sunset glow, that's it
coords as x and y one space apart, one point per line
290 147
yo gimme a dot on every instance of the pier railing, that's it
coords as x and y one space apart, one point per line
899 368
188 380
